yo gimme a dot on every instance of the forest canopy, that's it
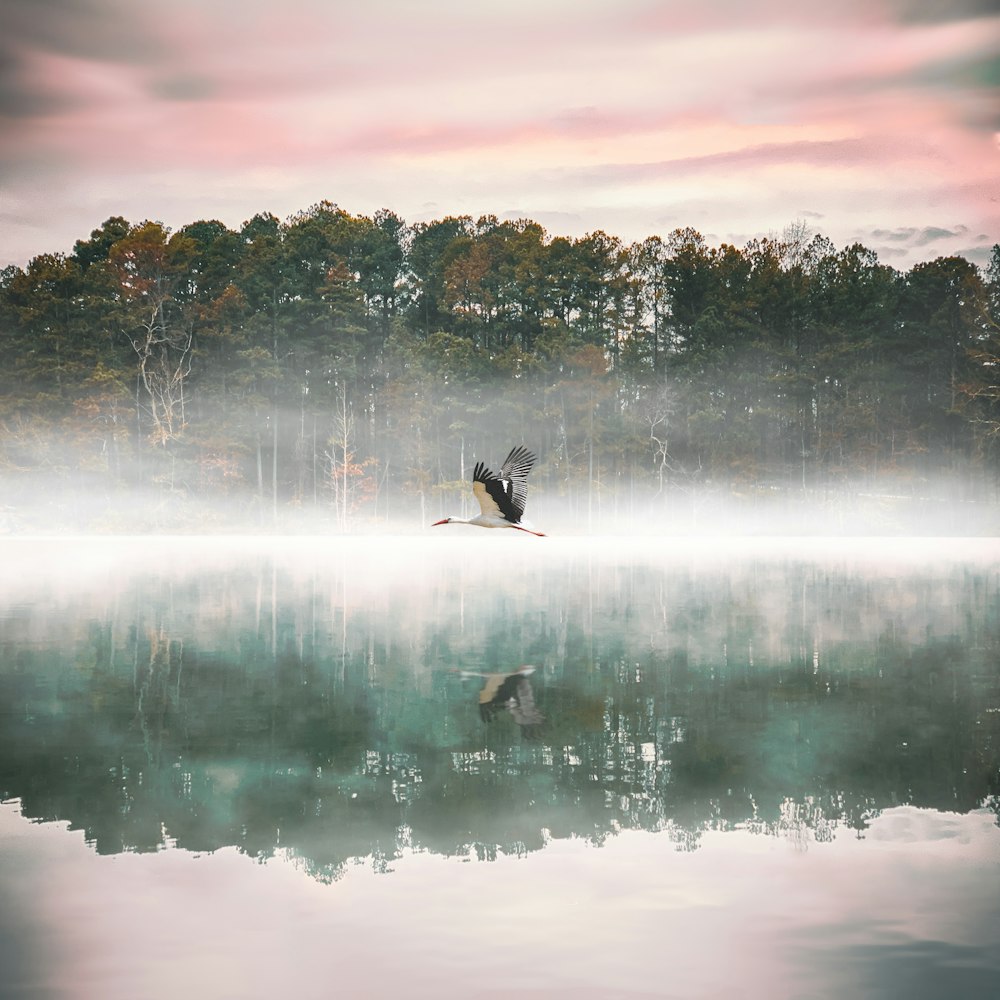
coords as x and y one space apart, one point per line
342 372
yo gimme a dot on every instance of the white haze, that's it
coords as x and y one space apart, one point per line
702 512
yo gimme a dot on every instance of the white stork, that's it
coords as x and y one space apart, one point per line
501 497
511 691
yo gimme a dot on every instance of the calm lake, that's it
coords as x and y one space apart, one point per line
258 767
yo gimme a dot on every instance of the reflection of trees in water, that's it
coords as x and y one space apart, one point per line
332 739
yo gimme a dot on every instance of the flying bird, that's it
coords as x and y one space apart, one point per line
511 691
502 495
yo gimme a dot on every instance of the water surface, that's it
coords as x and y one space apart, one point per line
241 767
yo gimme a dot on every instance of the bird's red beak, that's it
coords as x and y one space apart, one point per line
436 523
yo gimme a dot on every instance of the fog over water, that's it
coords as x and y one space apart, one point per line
943 509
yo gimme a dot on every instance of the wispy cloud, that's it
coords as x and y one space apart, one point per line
921 237
867 115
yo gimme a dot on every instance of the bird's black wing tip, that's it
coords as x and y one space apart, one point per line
482 473
520 458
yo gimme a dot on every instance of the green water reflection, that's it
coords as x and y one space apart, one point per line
305 699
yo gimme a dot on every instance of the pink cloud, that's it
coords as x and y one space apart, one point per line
553 107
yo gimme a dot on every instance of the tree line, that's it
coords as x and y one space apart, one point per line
352 367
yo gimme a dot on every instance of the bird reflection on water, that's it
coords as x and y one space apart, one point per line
512 692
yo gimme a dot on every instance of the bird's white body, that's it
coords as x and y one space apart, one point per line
491 521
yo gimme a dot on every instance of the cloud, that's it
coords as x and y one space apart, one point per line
100 30
844 153
21 96
904 235
920 237
37 37
939 11
184 87
934 234
974 82
906 243
608 116
980 254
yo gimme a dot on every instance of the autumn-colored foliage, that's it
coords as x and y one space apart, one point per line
350 364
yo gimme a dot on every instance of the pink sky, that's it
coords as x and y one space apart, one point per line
875 121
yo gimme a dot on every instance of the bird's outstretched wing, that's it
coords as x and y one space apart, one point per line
522 705
504 494
494 694
512 692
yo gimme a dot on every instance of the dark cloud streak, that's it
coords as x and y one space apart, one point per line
899 243
934 234
100 30
20 97
976 80
942 11
103 31
183 87
913 236
815 153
